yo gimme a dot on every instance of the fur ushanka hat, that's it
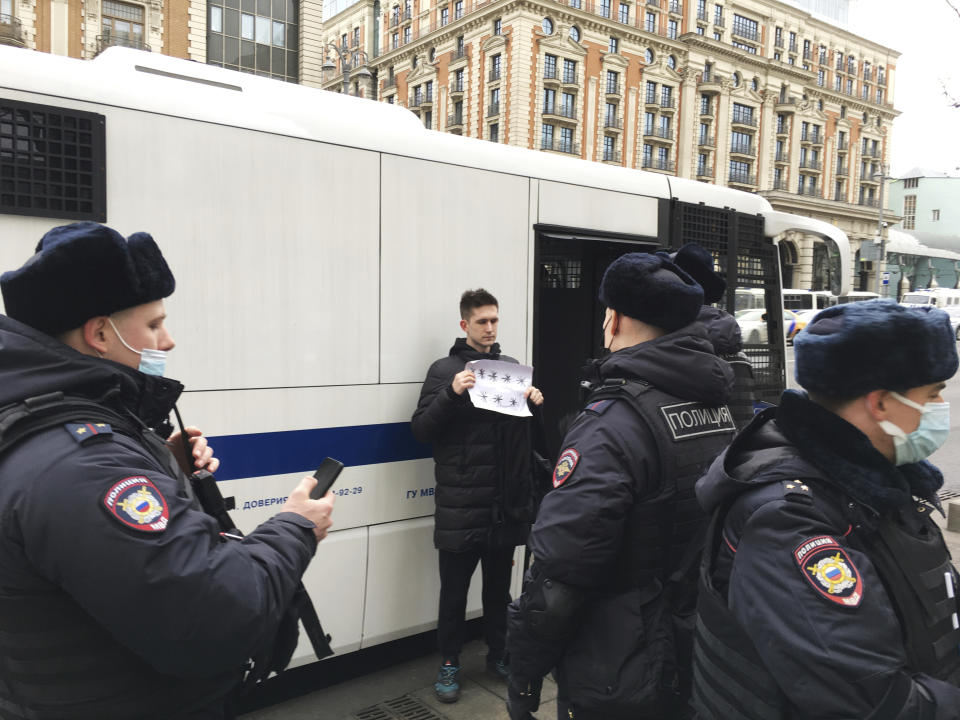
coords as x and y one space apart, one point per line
81 271
697 262
849 350
651 289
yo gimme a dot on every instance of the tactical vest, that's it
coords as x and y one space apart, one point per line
55 660
688 436
741 400
911 559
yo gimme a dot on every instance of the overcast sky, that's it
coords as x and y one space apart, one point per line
927 33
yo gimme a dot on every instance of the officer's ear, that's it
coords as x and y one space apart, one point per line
876 404
94 333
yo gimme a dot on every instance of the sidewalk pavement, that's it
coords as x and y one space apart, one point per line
407 687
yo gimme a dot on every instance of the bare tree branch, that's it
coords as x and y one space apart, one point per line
953 7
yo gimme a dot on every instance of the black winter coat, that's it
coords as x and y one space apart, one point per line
484 495
138 586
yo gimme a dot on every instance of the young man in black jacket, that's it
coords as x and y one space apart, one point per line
484 495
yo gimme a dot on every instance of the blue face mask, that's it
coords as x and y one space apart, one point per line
930 434
152 362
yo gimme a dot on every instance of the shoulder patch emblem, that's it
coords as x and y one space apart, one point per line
692 419
565 466
830 571
136 502
81 432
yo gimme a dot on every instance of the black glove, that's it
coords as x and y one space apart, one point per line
523 698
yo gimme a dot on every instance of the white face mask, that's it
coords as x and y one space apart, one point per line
930 434
152 362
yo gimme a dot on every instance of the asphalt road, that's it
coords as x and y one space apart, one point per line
946 458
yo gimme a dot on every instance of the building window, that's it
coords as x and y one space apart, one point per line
549 101
647 155
718 15
495 67
550 66
838 84
649 121
740 142
216 16
613 82
458 80
880 75
671 62
497 26
849 86
356 37
546 137
624 15
428 119
609 148
575 33
444 16
614 45
822 59
739 171
672 29
935 217
458 10
569 71
909 212
879 96
264 43
605 8
610 117
745 27
649 56
650 23
122 24
821 77
702 159
666 96
704 104
743 114
700 30
495 132
651 92
911 182
568 105
566 140
395 41
702 10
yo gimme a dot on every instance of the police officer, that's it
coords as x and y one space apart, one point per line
827 588
118 596
600 598
722 328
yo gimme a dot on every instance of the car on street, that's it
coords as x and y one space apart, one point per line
753 325
954 312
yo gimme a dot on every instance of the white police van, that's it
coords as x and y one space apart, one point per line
321 244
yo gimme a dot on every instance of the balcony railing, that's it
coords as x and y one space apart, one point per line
653 163
669 103
782 129
651 99
742 178
655 3
105 41
460 53
793 47
569 78
676 7
807 55
659 132
720 22
702 16
611 155
868 202
811 137
707 141
565 111
11 31
493 109
704 171
782 157
780 184
742 149
746 32
389 84
454 120
407 14
744 119
560 145
840 196
843 145
613 88
494 75
810 164
809 191
611 121
456 86
871 153
842 171
778 42
603 10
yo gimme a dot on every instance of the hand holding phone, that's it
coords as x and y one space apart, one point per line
326 474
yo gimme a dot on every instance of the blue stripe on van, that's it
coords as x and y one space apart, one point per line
275 453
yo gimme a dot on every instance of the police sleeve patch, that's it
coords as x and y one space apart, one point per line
830 571
565 466
137 503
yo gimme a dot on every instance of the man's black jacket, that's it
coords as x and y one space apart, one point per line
484 496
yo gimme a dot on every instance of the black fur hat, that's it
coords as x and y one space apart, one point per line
651 289
698 264
81 271
850 350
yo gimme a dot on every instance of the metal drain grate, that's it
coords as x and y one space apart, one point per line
401 708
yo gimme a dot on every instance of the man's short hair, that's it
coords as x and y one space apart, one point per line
473 299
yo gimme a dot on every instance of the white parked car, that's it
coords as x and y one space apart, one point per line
753 325
954 312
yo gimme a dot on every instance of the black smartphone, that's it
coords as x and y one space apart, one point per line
326 474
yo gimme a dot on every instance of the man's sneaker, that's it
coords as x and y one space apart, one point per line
498 666
446 688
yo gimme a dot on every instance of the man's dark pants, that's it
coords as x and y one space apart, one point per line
456 568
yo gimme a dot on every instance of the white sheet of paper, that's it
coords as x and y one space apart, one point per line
500 386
